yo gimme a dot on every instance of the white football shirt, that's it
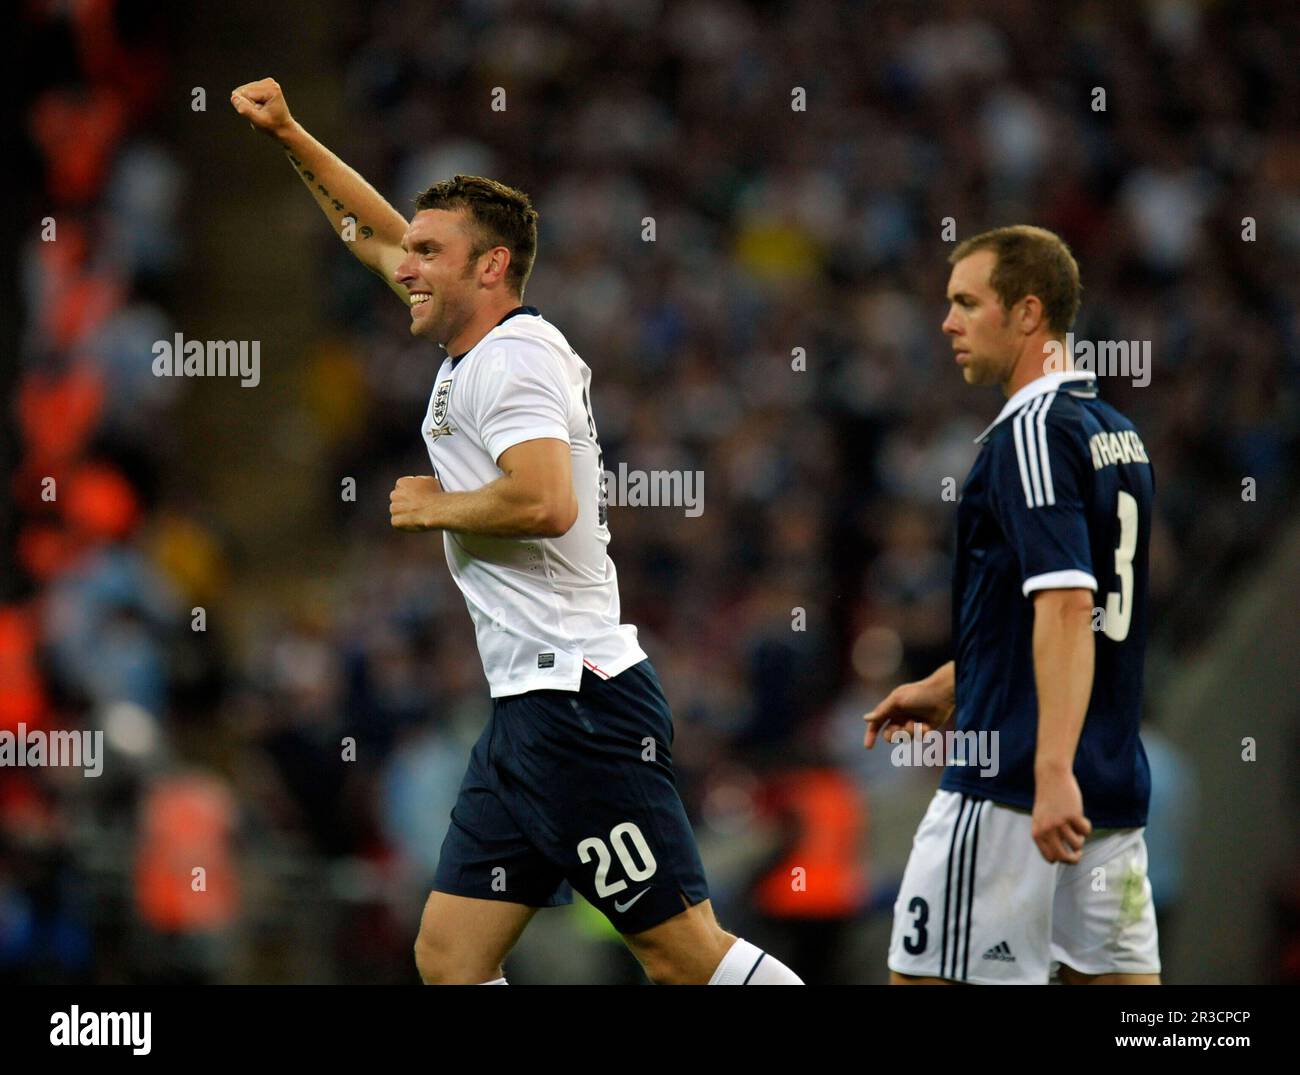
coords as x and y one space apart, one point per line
543 608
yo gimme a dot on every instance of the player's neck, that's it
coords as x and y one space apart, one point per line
1029 367
484 321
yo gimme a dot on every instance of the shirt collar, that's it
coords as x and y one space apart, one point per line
1084 382
532 311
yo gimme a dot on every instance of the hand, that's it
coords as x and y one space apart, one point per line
410 501
1059 827
262 104
924 706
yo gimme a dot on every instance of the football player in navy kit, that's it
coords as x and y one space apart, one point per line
1039 862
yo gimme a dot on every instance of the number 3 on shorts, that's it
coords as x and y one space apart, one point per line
619 837
921 909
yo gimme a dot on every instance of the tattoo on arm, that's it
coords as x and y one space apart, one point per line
367 232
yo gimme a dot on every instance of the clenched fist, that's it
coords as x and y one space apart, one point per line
1059 826
262 104
410 501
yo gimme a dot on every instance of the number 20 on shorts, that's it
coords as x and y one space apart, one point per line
620 836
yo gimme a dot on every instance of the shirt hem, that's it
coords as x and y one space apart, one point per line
608 670
549 683
568 683
1016 802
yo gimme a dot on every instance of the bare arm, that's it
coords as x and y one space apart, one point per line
1064 652
533 497
360 216
1064 656
928 702
944 680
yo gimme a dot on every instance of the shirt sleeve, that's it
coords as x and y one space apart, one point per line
1040 476
521 394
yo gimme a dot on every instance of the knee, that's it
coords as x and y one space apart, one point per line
662 969
684 964
440 964
665 970
430 960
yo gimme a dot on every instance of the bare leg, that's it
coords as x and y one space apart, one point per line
464 941
912 979
1070 976
685 950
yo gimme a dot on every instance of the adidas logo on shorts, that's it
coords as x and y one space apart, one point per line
1001 952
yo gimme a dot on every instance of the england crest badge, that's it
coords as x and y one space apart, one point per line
440 400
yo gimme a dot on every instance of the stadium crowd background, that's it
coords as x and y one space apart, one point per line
774 229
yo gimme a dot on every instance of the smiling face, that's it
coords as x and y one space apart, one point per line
985 337
441 274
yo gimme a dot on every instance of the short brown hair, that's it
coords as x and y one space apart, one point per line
1030 261
502 216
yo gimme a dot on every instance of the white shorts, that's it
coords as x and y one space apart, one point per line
980 904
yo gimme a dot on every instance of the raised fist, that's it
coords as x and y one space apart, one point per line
262 104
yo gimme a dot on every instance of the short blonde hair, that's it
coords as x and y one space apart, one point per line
1030 261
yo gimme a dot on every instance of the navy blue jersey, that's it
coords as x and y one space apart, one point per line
1059 497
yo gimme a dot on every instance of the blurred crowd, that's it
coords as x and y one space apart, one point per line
773 326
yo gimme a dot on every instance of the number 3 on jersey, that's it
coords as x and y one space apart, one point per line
1119 606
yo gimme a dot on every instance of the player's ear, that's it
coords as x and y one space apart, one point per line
498 262
1031 313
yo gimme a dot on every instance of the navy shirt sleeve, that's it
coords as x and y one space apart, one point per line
1040 477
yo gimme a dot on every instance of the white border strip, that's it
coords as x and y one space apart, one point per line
1073 579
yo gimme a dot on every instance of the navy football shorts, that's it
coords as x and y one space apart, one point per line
575 790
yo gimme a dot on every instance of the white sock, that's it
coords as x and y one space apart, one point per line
495 981
747 964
